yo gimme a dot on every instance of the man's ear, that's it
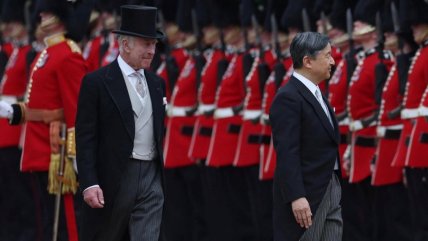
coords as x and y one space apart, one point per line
126 45
307 62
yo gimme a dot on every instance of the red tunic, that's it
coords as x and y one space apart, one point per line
361 104
92 54
416 84
388 133
206 96
180 55
248 151
13 86
418 148
338 93
54 84
180 126
227 124
267 150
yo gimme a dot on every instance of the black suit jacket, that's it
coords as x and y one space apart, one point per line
105 132
307 148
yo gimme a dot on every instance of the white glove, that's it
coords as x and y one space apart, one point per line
6 110
355 126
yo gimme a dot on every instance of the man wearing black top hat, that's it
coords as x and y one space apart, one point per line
119 136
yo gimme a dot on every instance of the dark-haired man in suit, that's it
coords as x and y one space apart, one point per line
306 139
119 132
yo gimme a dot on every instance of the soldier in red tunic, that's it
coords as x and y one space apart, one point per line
363 109
184 217
51 99
389 191
14 184
415 128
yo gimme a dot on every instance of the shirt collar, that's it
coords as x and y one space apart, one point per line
309 84
126 69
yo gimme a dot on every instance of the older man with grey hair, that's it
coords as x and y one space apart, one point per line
119 137
306 139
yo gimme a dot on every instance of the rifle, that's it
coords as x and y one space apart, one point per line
171 65
351 62
381 73
262 67
222 63
279 68
197 54
403 61
306 22
60 174
247 59
324 23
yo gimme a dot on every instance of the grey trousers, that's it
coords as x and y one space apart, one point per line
137 209
327 224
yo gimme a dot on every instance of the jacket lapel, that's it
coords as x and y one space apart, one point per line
309 97
116 87
333 118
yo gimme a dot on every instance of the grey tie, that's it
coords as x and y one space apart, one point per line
141 84
323 105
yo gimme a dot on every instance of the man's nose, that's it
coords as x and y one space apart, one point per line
332 60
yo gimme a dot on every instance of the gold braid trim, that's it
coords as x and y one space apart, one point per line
68 177
71 143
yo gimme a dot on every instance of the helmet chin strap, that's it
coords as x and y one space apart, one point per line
47 23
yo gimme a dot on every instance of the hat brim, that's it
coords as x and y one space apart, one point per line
159 34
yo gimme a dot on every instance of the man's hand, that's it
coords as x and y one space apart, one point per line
6 110
302 212
94 197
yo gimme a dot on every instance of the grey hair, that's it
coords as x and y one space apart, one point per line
122 37
307 44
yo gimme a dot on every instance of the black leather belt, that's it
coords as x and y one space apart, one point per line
205 131
392 134
187 130
234 129
365 141
259 139
424 138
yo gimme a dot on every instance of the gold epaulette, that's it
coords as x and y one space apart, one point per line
74 47
71 143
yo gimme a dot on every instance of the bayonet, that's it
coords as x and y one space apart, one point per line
396 23
380 37
323 22
275 39
306 22
196 30
259 44
349 27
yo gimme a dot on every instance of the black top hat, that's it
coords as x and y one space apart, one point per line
139 21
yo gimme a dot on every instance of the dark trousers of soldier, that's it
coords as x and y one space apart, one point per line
184 212
227 201
261 198
357 211
17 222
45 203
392 217
417 179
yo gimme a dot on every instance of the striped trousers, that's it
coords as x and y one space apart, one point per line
137 209
327 223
